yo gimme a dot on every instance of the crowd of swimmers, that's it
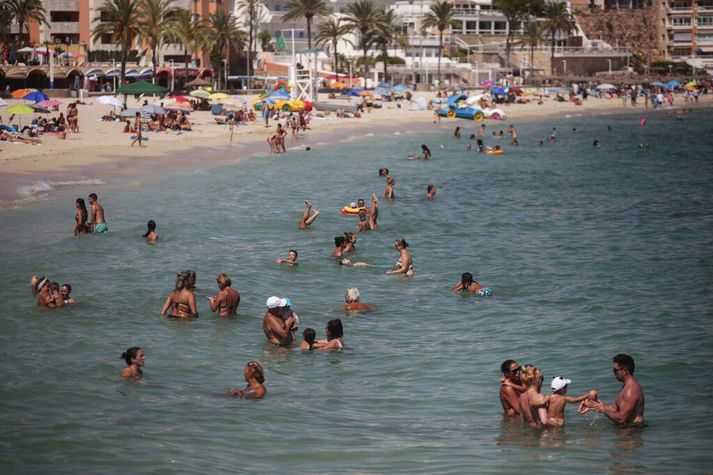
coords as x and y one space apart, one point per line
520 385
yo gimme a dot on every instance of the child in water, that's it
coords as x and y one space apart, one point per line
151 235
309 336
557 401
592 396
254 375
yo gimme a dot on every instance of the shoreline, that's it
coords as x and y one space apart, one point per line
26 176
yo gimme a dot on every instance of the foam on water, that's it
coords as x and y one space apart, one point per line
45 186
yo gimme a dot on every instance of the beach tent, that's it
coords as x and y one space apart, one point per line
142 87
418 104
400 88
109 101
36 96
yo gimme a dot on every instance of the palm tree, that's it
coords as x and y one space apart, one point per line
120 19
331 31
225 35
557 18
307 9
5 20
389 31
251 8
515 11
530 38
441 17
190 31
364 18
157 20
265 38
24 11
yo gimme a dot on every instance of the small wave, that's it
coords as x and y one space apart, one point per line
44 186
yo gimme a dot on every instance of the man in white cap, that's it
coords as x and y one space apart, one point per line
558 400
277 331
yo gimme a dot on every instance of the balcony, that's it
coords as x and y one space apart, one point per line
64 27
679 27
61 5
681 8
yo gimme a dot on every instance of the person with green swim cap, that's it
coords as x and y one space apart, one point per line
98 224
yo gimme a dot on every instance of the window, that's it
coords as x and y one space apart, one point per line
471 26
65 38
705 37
680 21
501 25
106 39
64 17
705 21
485 25
682 37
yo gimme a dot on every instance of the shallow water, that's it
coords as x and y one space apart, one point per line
589 252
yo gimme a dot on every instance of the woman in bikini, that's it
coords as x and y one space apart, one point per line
254 375
227 300
181 301
135 359
405 263
467 284
81 218
334 341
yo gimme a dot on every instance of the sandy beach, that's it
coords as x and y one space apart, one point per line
101 151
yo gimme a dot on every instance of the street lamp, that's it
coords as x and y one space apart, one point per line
225 73
564 66
609 61
173 81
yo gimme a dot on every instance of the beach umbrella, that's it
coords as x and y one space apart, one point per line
110 101
366 93
152 109
350 94
39 109
400 88
49 103
603 87
2 102
20 93
487 83
36 96
20 109
179 98
338 85
199 93
385 85
382 92
132 113
233 99
66 54
26 49
218 96
179 106
691 83
498 90
198 83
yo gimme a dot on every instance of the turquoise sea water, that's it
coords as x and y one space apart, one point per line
589 252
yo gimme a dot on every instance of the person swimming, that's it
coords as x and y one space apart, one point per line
467 284
431 191
135 360
351 299
151 235
308 219
254 375
309 336
291 258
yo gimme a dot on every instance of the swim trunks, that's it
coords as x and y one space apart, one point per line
101 228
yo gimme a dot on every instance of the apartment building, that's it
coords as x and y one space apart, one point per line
688 26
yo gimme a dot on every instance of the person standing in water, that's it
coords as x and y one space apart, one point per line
291 258
431 192
277 331
81 218
98 224
254 375
135 360
405 263
227 300
181 300
308 219
513 135
151 235
510 388
628 409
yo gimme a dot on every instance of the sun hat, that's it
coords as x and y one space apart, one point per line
273 302
285 302
558 383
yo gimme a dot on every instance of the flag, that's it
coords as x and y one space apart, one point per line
280 44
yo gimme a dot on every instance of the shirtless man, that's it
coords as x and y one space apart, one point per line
308 219
227 300
628 410
276 330
98 224
513 135
510 393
